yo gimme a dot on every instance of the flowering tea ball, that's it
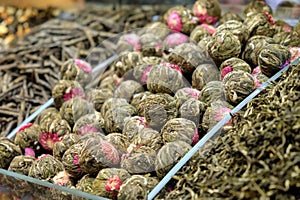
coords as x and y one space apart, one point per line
204 74
139 163
202 31
148 137
85 184
184 94
127 89
273 58
237 28
157 109
108 182
180 129
61 146
21 164
45 168
180 19
253 47
137 186
207 11
229 16
160 29
133 125
126 62
8 150
193 110
173 40
120 141
151 45
137 98
110 82
59 126
128 42
214 114
204 42
62 178
28 136
98 96
188 56
113 103
260 24
115 118
169 155
233 64
96 155
212 91
75 108
257 6
70 160
165 78
76 70
88 124
47 113
237 86
288 39
223 45
259 79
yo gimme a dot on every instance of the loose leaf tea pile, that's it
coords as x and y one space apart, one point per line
258 158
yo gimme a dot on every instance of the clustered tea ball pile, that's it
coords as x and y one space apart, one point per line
166 89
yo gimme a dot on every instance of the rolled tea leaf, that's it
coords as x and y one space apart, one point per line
233 64
133 126
88 123
288 39
212 91
139 163
127 89
204 74
120 141
148 137
260 24
98 96
202 31
184 94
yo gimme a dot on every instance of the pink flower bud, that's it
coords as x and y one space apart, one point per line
47 140
257 70
257 82
174 21
143 122
29 152
209 28
134 40
61 178
86 67
295 53
176 39
173 66
24 127
195 137
76 162
75 92
42 156
194 93
225 71
203 16
113 183
111 153
146 74
270 18
221 113
87 129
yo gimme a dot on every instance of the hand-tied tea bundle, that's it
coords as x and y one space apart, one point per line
258 158
118 133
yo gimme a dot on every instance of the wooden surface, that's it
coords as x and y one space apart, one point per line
44 3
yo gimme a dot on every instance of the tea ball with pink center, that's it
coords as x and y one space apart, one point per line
65 90
47 140
89 123
237 86
119 140
180 19
151 45
133 125
60 147
108 182
173 40
127 89
184 94
233 64
70 160
28 136
180 129
201 31
76 70
148 137
207 11
128 42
